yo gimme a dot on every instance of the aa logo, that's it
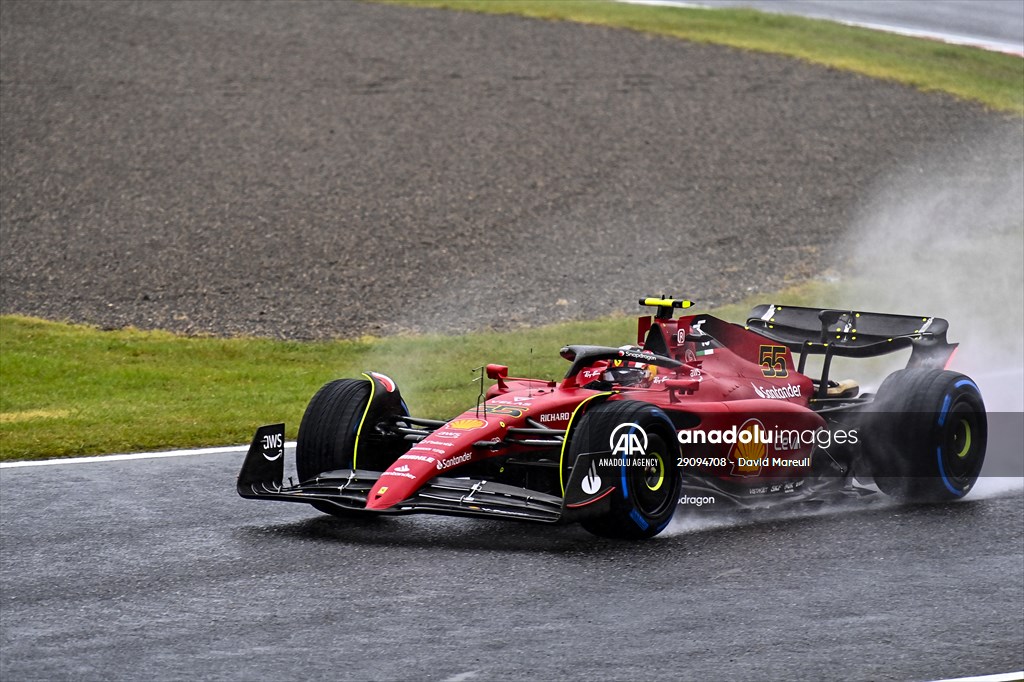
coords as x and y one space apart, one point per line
628 440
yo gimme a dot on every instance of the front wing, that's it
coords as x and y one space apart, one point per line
262 476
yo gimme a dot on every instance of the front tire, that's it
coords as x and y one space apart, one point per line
928 434
327 433
645 497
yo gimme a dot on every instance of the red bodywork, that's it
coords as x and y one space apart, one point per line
734 379
699 407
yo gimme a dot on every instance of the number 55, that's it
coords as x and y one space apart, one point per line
773 361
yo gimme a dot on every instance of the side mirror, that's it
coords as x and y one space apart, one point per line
499 373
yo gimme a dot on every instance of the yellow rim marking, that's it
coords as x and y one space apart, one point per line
568 428
359 431
661 475
967 439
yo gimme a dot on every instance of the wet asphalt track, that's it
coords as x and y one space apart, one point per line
155 569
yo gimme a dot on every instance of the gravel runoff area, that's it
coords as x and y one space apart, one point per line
311 170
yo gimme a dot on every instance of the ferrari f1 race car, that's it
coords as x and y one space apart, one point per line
698 410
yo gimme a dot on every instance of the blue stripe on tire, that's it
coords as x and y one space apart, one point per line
942 472
945 408
639 520
967 382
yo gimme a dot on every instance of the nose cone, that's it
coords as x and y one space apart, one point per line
400 481
446 448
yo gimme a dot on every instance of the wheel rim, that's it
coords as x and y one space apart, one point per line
654 476
959 454
651 487
962 436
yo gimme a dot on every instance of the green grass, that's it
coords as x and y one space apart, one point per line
77 390
996 80
69 390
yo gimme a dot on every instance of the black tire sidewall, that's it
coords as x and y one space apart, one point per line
914 419
327 433
631 516
958 475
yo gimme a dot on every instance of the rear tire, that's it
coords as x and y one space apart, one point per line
927 435
645 497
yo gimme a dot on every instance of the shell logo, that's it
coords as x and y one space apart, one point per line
749 450
467 424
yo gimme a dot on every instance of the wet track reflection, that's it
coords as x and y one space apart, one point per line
162 555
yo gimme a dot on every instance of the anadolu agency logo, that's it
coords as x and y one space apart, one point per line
628 443
628 440
751 432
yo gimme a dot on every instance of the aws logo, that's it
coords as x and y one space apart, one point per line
273 444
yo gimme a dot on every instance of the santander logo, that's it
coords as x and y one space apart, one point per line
778 392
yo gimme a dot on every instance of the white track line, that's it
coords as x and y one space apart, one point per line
135 455
461 677
1004 677
952 38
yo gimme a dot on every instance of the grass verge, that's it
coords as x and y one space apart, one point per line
69 390
994 79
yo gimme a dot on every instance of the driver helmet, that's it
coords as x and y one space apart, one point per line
628 373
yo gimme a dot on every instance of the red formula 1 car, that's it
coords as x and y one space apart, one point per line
699 411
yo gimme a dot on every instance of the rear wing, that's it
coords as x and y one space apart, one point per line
852 334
